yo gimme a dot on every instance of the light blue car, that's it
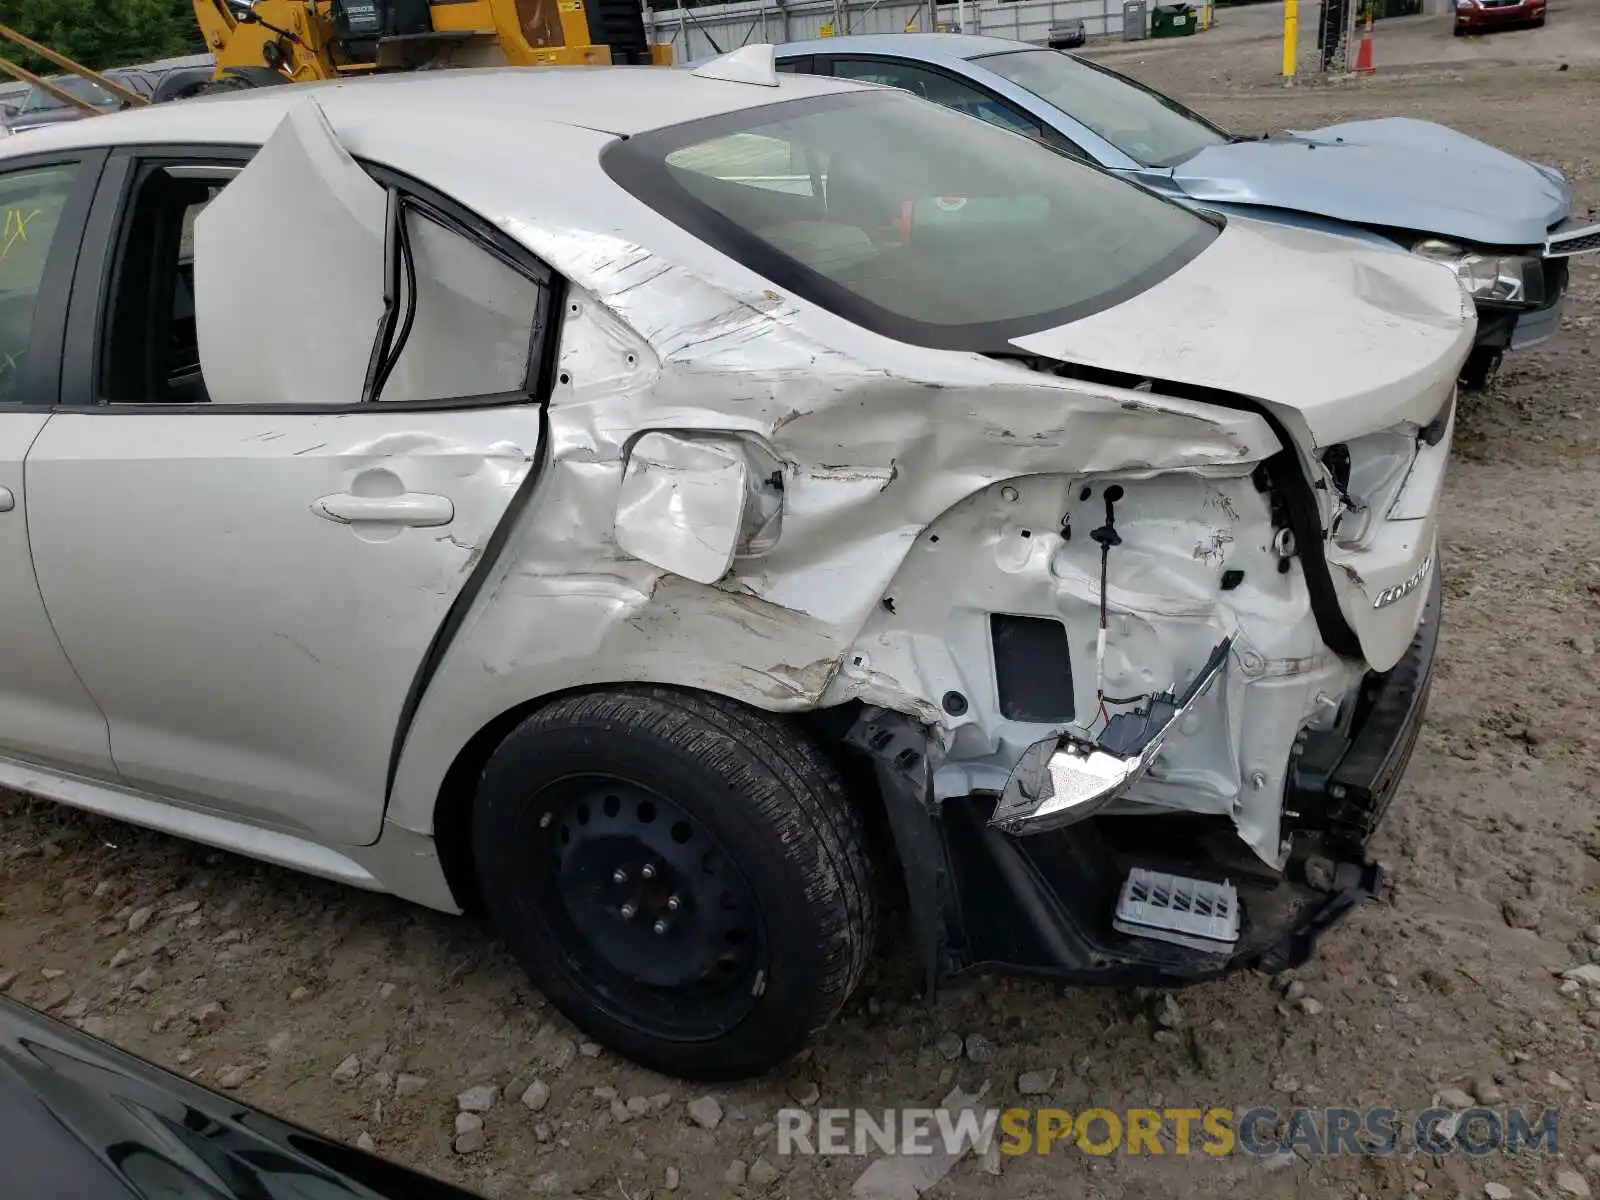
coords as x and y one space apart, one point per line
1504 224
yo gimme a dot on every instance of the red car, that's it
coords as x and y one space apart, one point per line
1475 16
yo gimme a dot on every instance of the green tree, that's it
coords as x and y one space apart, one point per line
102 33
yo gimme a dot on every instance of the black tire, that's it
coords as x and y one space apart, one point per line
1482 365
765 818
228 83
180 84
235 79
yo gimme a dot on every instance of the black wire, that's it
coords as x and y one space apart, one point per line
1105 562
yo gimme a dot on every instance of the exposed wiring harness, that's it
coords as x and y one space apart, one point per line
1105 537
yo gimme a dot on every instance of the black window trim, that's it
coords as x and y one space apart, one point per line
638 165
90 286
47 335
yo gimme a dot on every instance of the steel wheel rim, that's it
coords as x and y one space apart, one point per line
652 917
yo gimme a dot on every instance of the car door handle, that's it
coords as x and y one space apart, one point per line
7 500
411 508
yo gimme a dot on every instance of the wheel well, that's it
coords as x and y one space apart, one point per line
452 814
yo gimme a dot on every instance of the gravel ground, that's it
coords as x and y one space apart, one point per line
367 1018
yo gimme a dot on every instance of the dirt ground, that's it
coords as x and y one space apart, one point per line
363 1016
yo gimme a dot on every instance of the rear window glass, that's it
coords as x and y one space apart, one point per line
914 221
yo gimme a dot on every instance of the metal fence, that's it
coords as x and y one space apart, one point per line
699 33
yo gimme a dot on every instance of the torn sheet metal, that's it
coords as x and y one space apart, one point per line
870 454
921 492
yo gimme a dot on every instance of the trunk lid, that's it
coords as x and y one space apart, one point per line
1341 337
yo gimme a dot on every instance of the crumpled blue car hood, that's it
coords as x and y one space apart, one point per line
1396 172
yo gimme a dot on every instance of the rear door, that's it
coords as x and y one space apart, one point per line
249 558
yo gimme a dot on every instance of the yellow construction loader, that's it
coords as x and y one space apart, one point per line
297 41
275 41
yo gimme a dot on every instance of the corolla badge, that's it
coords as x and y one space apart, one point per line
1401 590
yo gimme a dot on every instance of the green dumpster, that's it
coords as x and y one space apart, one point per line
1172 20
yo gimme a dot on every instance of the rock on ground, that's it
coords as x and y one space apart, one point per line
348 1070
1036 1083
479 1099
764 1174
705 1112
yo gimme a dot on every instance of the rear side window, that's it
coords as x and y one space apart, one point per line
938 87
909 219
31 202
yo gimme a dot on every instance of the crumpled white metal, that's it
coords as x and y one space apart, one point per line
915 488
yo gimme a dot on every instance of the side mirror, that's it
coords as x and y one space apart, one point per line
692 503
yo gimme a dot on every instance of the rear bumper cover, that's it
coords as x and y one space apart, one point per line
1341 783
1043 904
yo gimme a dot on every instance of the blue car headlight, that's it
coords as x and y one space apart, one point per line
1512 279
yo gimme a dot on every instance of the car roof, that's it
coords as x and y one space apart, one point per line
934 47
622 101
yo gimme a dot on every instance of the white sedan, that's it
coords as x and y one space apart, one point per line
685 510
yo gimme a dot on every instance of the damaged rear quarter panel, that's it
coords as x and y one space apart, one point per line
877 439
